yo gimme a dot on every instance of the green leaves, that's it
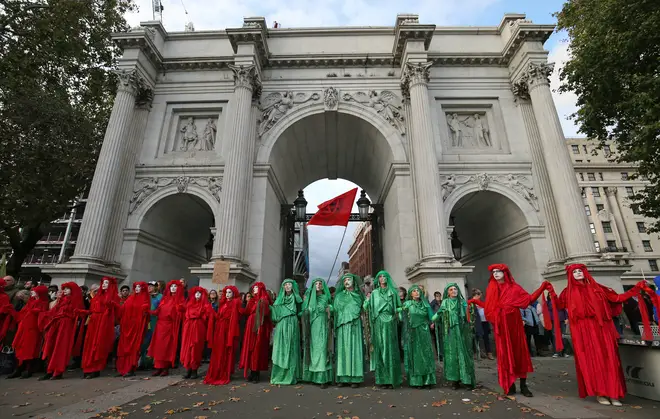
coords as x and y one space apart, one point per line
56 95
615 72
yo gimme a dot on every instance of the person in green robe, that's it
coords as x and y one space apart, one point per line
418 346
287 368
457 337
347 306
317 339
382 307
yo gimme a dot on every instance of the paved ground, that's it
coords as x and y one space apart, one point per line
172 397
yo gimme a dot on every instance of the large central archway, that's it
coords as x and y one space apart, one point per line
352 143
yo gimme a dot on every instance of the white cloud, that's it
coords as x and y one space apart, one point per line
565 102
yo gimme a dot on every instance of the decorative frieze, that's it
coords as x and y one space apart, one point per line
386 104
414 73
145 187
275 105
520 184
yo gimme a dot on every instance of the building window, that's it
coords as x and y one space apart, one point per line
653 264
607 150
591 176
600 176
584 147
592 227
597 246
581 176
576 149
587 210
611 244
600 207
584 193
624 175
578 161
647 245
607 227
595 191
630 191
641 227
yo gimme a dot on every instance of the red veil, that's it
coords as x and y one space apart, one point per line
133 326
28 339
234 308
195 308
6 310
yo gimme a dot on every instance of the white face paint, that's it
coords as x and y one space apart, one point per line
453 292
52 294
138 289
229 294
255 290
67 291
288 287
319 286
198 295
33 294
105 284
578 274
173 288
348 282
498 275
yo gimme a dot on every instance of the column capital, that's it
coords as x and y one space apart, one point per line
537 74
520 90
246 76
414 73
144 97
127 81
610 191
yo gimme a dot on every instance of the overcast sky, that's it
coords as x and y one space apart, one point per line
219 14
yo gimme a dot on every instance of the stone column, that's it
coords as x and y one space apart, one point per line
619 222
97 226
540 170
239 158
426 181
130 153
570 208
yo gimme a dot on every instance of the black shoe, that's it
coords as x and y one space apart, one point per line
56 377
17 373
341 384
355 385
194 375
188 374
525 391
130 374
512 390
455 385
118 375
256 378
324 386
45 377
26 374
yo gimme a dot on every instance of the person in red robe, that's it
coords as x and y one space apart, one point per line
7 311
591 307
196 321
100 337
29 339
165 340
59 326
256 342
134 316
504 300
224 338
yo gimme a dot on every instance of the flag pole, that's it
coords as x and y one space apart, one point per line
337 255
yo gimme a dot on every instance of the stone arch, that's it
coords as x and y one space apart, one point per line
393 137
136 218
531 215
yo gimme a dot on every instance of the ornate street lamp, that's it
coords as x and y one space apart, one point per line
456 245
363 205
209 247
300 205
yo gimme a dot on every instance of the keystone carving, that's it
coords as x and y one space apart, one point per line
520 184
145 187
331 99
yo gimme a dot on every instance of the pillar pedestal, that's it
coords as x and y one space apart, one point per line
436 278
240 275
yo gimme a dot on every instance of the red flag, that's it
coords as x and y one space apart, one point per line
336 211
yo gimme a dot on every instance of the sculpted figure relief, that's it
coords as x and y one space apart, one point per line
330 98
147 186
190 138
275 105
520 184
468 130
208 138
386 103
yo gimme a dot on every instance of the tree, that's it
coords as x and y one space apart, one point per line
56 94
615 73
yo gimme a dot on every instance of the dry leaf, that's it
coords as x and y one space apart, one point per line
198 404
538 414
234 399
276 408
170 412
439 404
478 409
329 413
636 407
525 409
298 387
201 417
355 417
391 405
266 390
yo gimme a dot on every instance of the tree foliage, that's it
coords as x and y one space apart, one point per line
56 93
615 72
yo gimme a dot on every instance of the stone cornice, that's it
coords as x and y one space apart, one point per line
524 31
332 60
141 39
408 28
254 31
197 64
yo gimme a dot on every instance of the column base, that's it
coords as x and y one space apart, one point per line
435 277
607 274
82 273
240 275
586 258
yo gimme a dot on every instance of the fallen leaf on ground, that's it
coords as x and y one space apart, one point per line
198 404
346 412
329 413
391 405
201 417
478 409
538 414
298 387
525 409
636 407
234 399
266 390
170 412
276 408
355 417
439 404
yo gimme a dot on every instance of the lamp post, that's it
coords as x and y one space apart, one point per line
209 247
456 245
363 205
300 206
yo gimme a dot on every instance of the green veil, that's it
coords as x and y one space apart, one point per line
310 294
390 283
407 324
295 292
357 284
453 310
422 296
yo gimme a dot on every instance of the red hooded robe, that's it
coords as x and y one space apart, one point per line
166 335
134 314
256 342
60 329
591 307
100 337
502 308
224 339
28 339
195 328
6 311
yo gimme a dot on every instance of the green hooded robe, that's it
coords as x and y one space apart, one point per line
457 336
418 347
287 368
347 307
382 307
317 339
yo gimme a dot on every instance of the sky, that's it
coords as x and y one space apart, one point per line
219 14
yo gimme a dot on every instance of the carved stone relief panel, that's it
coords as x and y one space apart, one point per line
196 133
144 187
520 184
469 129
192 131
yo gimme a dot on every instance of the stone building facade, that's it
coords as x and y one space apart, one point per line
360 252
213 132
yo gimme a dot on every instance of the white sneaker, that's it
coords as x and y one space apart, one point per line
615 402
603 401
